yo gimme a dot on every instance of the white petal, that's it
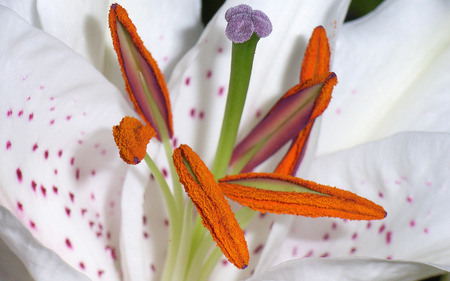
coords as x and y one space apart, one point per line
81 25
167 28
60 172
24 258
393 75
199 82
347 269
407 174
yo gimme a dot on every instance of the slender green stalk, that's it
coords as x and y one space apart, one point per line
182 261
241 67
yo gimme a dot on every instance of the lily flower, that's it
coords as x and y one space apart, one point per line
73 206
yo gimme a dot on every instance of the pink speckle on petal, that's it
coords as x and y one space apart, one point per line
192 112
388 237
220 50
19 175
20 113
44 191
338 111
426 230
82 266
326 236
69 243
164 172
33 185
83 212
19 206
325 255
68 117
35 147
72 161
428 183
382 228
30 117
46 154
67 211
152 267
209 74
77 174
412 223
41 87
55 189
354 236
258 249
52 121
32 224
334 225
369 225
100 273
9 113
221 90
294 251
409 199
309 254
187 81
72 197
201 115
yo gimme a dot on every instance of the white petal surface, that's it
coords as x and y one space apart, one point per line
60 174
79 24
408 175
18 245
393 74
347 269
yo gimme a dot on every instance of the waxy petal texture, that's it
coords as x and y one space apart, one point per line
60 172
21 256
408 175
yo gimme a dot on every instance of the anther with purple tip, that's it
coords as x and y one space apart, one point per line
243 21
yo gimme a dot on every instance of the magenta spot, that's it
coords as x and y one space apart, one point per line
33 185
20 113
201 115
67 211
381 229
32 224
72 161
145 234
55 171
92 196
68 117
164 172
258 113
44 191
60 152
9 113
426 231
28 98
98 234
428 183
19 175
388 237
72 197
82 266
83 212
369 225
55 189
100 226
100 273
262 215
52 108
41 87
187 81
77 174
258 249
35 147
380 194
174 142
294 251
326 236
309 254
108 235
91 224
192 112
68 243
220 50
166 58
80 141
52 121
152 267
354 236
409 199
334 225
412 223
93 173
46 154
30 117
144 220
389 257
325 255
19 206
166 222
208 75
352 251
221 90
398 182
338 111
25 77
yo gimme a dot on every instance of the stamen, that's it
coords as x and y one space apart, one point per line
260 192
243 21
212 206
132 137
144 81
316 62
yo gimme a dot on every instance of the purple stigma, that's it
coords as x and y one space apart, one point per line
243 21
136 160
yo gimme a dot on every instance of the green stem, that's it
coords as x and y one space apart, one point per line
182 261
241 68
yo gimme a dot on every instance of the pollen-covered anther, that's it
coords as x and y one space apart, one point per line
132 137
212 206
243 21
